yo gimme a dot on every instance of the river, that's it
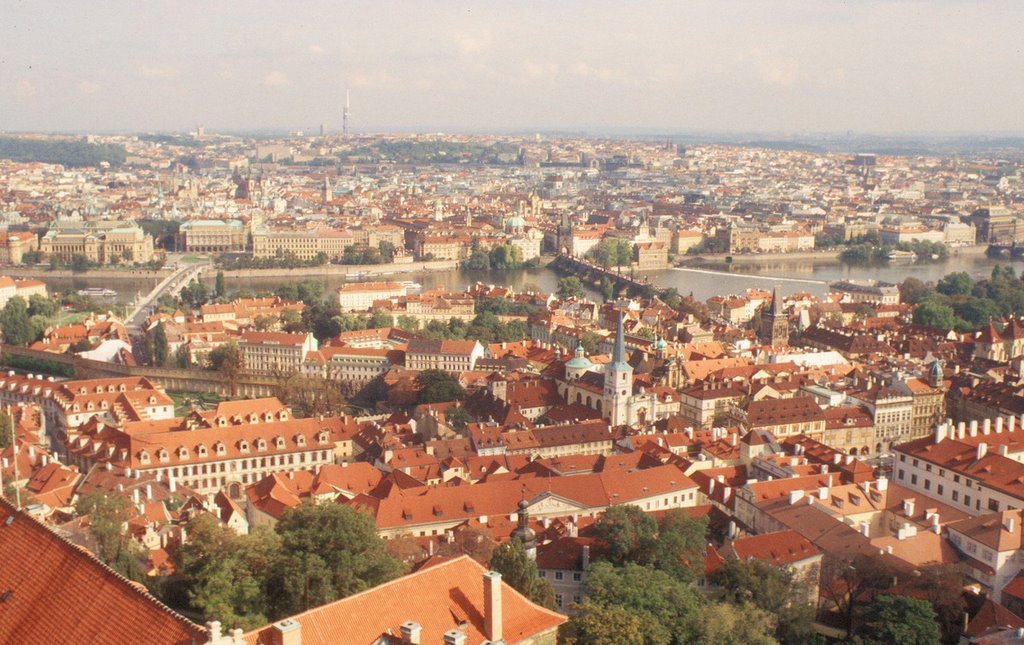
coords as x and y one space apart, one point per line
703 280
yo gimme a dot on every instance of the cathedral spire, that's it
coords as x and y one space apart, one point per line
619 355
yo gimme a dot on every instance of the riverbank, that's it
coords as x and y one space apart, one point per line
342 270
975 250
42 273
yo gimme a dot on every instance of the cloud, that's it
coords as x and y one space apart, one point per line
276 78
472 43
88 87
375 78
147 71
315 50
24 89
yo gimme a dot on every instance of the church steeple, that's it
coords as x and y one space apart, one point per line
618 380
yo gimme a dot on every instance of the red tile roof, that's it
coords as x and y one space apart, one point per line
439 598
54 592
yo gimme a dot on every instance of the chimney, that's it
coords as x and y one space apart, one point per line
986 426
1009 525
492 606
999 425
1011 423
823 492
726 493
837 457
286 632
961 428
794 496
586 556
940 432
214 628
149 491
865 529
882 484
128 473
936 527
135 495
172 483
982 450
908 507
454 637
973 427
410 632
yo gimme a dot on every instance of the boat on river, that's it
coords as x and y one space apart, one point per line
902 255
97 292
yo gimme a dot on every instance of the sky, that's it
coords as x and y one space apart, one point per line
771 66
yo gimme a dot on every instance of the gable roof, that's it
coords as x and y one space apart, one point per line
440 598
59 593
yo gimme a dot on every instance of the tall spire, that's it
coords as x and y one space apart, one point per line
776 302
619 356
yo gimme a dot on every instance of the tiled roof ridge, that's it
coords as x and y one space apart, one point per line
135 587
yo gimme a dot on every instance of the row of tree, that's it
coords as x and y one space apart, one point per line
959 301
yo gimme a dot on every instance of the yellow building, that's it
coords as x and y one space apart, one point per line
303 244
128 243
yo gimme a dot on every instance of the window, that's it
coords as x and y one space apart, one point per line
956 496
993 504
576 577
543 574
939 489
900 473
967 500
913 480
558 599
558 575
927 484
956 478
577 599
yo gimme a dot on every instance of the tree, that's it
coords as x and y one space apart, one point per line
291 321
591 341
601 625
898 619
667 607
475 543
776 590
519 570
932 313
310 291
108 518
681 544
845 582
407 323
227 359
955 284
161 349
80 263
227 573
6 429
387 250
941 585
629 532
570 287
310 396
438 386
458 417
328 551
14 321
913 291
725 624
607 289
977 312
220 286
39 305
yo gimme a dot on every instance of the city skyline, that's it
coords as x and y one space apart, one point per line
791 67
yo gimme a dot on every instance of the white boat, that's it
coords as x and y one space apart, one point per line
411 287
97 292
902 255
358 275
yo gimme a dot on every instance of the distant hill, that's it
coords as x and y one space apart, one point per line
69 153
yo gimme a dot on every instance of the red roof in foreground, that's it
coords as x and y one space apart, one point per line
53 592
438 597
782 547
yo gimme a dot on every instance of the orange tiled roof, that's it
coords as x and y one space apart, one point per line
55 592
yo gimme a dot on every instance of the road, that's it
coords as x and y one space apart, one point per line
172 285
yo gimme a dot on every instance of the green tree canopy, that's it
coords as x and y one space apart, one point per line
328 551
15 323
629 532
519 570
932 313
601 625
779 591
108 517
438 386
681 544
570 287
955 284
161 349
898 619
667 607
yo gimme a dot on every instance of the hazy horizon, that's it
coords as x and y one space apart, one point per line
792 68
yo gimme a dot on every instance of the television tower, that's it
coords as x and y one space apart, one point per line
344 117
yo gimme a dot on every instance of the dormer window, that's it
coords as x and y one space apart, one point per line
321 437
99 389
122 388
143 457
279 443
201 451
163 456
221 422
219 449
182 453
90 406
261 444
152 400
268 417
300 440
103 404
243 446
75 408
283 415
254 418
81 390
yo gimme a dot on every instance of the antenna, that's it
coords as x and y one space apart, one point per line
344 116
